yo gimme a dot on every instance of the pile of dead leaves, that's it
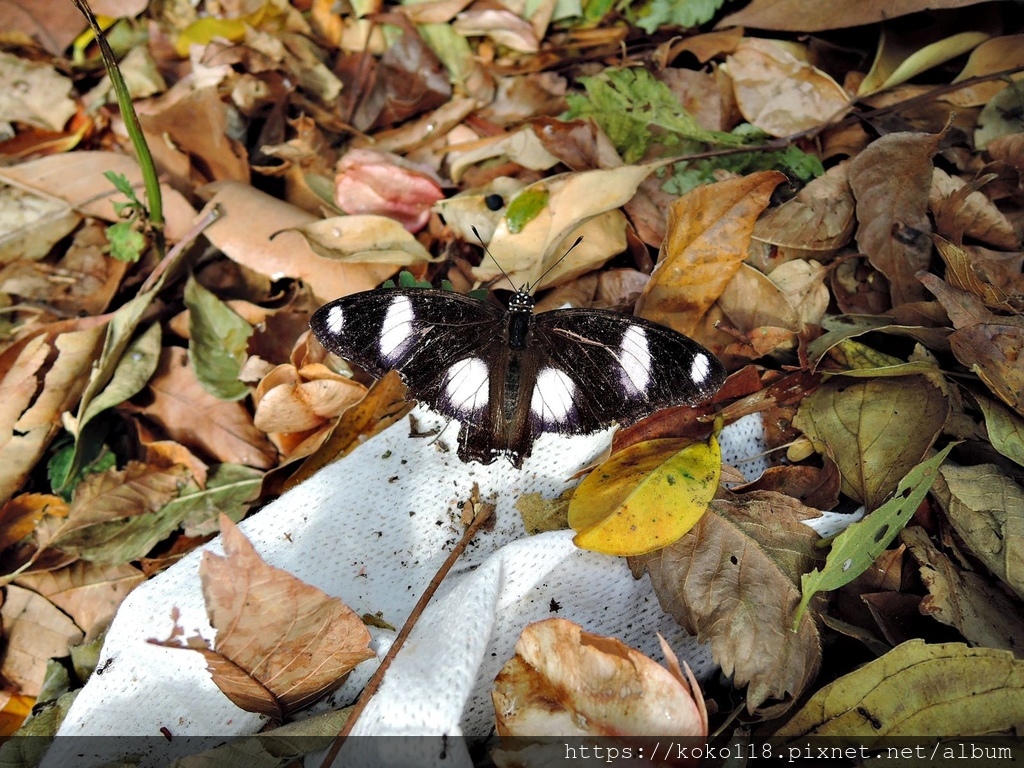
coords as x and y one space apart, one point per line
833 205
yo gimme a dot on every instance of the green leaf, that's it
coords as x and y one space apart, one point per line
130 375
1005 429
95 457
525 206
676 13
855 549
229 488
792 161
121 183
626 103
126 242
218 343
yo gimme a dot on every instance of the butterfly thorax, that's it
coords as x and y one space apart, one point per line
520 319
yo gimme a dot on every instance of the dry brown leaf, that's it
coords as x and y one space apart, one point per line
986 508
20 515
961 209
274 632
88 593
709 230
819 218
116 494
891 180
244 233
980 611
35 631
77 179
42 96
780 93
988 344
290 400
733 581
43 379
966 271
190 141
804 16
558 684
192 416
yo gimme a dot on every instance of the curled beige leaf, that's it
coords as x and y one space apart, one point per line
779 93
564 681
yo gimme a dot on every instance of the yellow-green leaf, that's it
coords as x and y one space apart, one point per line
915 689
645 497
218 342
855 549
1005 428
877 429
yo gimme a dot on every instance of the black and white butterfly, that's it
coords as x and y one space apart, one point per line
508 375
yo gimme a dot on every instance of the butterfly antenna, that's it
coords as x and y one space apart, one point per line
530 288
484 246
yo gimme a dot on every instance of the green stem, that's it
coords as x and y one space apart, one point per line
154 200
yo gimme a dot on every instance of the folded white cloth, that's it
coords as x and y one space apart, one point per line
372 529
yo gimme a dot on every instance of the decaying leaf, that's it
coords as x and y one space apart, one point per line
559 681
963 599
891 180
917 688
732 581
35 630
986 509
281 644
645 497
819 218
194 417
364 239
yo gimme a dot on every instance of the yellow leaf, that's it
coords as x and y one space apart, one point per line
645 497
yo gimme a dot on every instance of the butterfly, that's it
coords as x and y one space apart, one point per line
509 375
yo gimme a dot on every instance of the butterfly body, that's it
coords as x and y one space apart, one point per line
509 375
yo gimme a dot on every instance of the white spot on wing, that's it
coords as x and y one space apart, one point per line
552 399
397 328
700 369
467 385
635 359
335 320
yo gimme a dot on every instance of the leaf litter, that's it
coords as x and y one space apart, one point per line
838 217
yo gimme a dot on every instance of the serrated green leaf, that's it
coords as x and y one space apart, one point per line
676 13
126 242
627 102
218 342
122 185
792 161
855 549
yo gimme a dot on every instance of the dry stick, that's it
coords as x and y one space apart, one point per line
421 604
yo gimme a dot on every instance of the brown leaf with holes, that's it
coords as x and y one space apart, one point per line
891 181
733 580
281 644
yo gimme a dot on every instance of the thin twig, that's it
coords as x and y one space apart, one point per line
482 515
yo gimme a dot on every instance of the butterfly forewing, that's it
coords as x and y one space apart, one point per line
439 342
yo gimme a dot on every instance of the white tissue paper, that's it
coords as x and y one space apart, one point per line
372 529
